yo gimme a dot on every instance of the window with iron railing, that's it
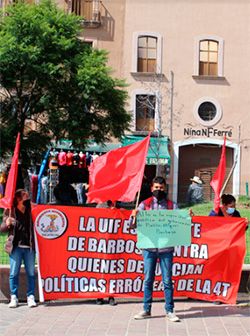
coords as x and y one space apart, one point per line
88 9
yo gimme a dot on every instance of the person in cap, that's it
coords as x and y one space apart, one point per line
195 191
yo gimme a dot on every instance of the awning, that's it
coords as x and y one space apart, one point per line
108 146
91 147
157 152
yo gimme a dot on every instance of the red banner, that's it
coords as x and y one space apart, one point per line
126 178
91 253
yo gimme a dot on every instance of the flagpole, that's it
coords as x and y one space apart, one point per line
229 175
234 164
137 199
139 192
218 178
134 211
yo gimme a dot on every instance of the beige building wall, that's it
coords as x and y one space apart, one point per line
109 34
178 26
181 24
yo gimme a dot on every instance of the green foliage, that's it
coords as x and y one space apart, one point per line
51 78
204 209
244 201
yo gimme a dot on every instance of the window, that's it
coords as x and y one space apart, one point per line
145 112
208 65
88 43
207 111
208 57
147 48
147 54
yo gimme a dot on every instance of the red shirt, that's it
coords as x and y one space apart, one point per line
69 159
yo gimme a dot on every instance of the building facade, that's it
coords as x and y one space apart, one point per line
186 63
187 66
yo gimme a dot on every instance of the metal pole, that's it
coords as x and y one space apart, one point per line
234 164
159 107
171 105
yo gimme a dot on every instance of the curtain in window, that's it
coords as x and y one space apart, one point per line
208 58
147 54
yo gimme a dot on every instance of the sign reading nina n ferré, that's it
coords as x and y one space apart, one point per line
208 132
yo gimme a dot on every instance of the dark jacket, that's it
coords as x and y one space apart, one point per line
220 213
65 194
194 194
12 229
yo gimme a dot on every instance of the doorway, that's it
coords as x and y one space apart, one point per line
201 160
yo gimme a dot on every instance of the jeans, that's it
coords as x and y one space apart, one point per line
166 261
16 257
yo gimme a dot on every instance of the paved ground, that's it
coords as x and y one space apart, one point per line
86 318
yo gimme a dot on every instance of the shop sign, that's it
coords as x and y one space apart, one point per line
208 132
156 161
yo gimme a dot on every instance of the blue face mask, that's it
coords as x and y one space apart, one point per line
230 211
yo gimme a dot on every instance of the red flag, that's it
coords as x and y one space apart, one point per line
117 175
7 201
218 178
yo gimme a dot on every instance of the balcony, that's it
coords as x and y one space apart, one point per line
89 10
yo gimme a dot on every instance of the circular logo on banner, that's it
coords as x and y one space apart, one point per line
51 223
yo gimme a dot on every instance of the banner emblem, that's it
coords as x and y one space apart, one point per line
51 223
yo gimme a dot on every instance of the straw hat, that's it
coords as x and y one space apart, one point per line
196 179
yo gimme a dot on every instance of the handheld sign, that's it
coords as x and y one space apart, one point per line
163 228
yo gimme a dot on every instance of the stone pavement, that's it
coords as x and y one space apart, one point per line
85 318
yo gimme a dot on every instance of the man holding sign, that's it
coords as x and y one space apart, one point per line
150 256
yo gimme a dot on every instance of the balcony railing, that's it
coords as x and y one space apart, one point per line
89 10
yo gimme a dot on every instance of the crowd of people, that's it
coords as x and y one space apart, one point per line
18 223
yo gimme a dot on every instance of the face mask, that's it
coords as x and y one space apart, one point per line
159 194
230 211
26 203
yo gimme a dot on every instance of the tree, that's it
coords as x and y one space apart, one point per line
157 101
53 81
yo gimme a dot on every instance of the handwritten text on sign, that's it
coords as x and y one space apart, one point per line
161 228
